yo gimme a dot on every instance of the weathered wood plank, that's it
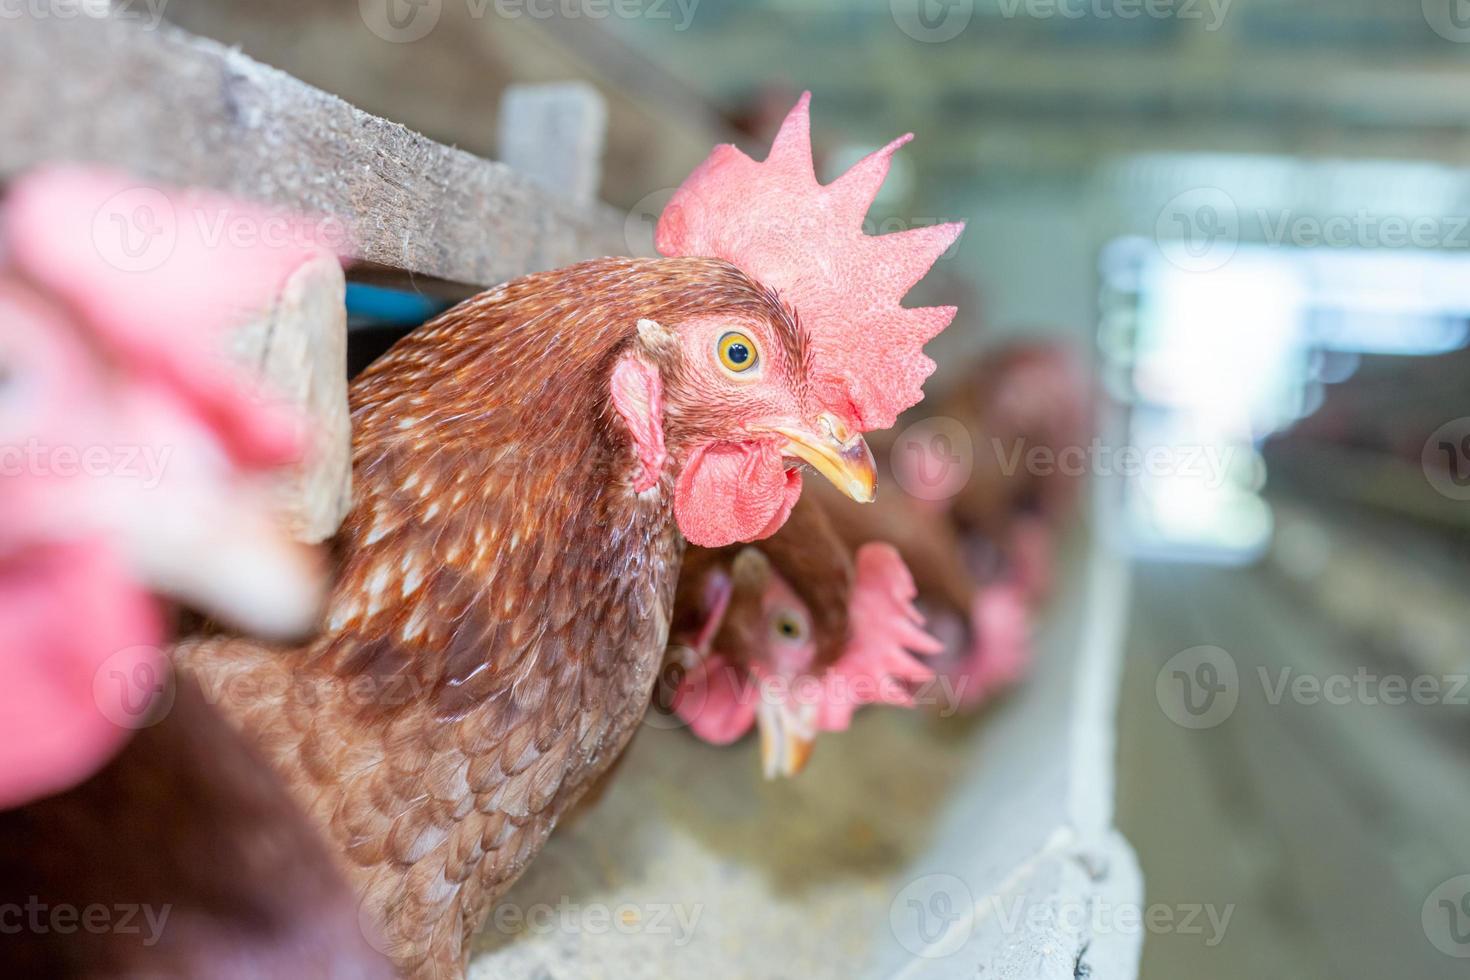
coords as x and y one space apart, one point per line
215 118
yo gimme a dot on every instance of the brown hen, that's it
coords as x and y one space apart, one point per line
508 566
472 676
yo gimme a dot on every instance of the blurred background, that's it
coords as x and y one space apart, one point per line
1253 217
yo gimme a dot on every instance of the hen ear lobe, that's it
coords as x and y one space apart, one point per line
638 398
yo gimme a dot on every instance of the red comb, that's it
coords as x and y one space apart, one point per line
806 241
885 632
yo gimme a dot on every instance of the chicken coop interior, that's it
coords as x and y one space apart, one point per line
561 489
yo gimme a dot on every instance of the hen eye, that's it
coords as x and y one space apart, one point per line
737 352
788 627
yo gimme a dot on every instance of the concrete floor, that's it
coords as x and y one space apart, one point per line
1325 825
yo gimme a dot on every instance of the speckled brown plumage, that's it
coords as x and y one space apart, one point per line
503 599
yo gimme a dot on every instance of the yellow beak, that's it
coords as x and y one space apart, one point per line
787 732
836 453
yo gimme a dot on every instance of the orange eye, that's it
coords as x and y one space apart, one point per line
737 352
787 626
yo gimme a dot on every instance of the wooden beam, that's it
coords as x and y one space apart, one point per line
215 118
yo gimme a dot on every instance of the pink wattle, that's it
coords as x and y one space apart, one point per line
731 492
73 619
717 702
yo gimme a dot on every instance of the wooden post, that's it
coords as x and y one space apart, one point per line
554 134
298 346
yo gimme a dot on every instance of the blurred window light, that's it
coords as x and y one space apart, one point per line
1386 333
1216 356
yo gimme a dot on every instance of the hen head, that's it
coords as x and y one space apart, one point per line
130 446
770 639
730 396
846 360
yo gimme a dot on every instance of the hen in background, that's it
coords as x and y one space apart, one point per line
792 635
1028 406
980 617
983 551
